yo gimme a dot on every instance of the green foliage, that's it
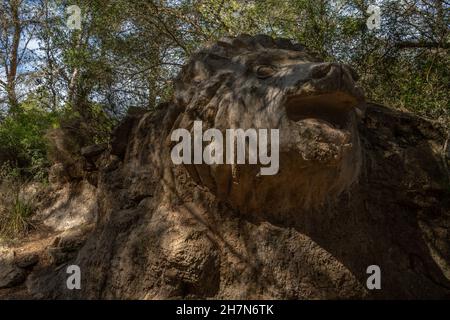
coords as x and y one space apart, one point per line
22 142
417 85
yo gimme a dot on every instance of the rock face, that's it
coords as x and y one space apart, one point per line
353 190
68 206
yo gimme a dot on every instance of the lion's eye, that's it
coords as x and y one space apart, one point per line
265 71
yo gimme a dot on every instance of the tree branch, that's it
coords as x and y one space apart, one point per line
412 44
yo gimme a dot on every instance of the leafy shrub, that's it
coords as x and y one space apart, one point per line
22 139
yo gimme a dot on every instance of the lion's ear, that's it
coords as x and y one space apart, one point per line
209 66
199 71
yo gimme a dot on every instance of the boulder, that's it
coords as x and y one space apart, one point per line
27 260
10 275
93 151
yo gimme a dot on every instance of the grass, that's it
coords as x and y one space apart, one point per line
15 211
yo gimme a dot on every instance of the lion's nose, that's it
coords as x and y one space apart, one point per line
333 72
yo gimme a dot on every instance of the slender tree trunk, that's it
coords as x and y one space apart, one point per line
11 71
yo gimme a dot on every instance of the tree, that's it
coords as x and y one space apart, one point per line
18 23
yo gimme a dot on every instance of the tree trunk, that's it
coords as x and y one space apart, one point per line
11 71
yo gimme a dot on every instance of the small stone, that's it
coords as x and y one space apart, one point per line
11 276
27 261
93 150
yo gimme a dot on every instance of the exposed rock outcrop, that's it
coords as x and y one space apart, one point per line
359 185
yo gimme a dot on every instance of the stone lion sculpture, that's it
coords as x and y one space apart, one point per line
358 185
260 82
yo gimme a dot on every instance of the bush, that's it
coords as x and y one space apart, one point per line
22 139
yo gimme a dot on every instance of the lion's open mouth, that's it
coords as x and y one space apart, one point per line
330 109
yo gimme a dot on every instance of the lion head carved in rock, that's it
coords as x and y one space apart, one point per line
264 83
